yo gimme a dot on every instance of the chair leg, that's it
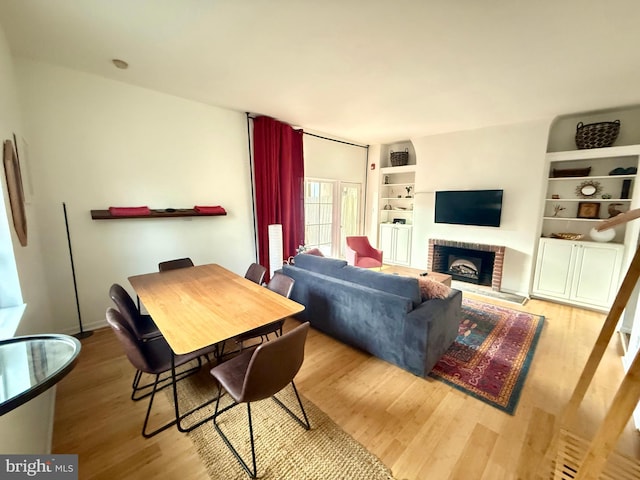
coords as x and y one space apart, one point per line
181 416
305 424
146 434
252 473
164 382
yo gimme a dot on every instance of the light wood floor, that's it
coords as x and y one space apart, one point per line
420 428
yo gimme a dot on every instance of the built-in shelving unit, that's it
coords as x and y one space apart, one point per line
179 212
396 196
395 200
582 271
601 162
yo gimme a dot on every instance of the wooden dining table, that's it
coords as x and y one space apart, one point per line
196 307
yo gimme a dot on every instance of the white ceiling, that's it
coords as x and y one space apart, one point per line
366 70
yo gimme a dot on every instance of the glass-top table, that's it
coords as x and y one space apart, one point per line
32 364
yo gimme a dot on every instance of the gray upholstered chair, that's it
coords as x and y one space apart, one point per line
152 357
256 273
175 264
259 374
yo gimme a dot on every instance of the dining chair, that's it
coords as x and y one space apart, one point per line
256 273
257 375
145 330
283 285
152 357
175 264
142 325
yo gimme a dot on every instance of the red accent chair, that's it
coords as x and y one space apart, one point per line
360 253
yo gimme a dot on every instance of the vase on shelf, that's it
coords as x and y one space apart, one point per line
603 236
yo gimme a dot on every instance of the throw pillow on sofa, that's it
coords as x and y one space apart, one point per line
430 289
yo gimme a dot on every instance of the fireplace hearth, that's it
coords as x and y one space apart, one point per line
468 262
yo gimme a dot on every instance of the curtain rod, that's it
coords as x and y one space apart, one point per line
334 140
253 116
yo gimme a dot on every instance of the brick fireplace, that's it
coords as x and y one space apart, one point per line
469 262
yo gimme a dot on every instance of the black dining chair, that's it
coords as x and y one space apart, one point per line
142 325
256 273
175 264
257 375
154 358
170 265
143 328
282 284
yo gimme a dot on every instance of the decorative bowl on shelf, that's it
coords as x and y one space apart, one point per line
567 236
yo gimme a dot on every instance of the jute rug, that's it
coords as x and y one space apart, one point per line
490 358
284 449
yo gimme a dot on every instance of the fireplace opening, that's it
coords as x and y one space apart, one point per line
465 268
486 259
464 264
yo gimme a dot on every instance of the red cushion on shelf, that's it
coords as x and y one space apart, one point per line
211 209
129 211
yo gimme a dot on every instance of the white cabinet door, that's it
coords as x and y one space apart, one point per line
554 268
596 273
582 273
395 243
403 245
386 242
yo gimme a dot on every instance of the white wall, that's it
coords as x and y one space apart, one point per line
28 428
511 158
331 160
96 143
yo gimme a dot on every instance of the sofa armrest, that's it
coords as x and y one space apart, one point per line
431 329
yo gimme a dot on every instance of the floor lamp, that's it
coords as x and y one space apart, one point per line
275 248
81 334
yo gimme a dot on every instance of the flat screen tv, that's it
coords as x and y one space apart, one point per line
469 207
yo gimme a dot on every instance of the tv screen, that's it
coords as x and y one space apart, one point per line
469 207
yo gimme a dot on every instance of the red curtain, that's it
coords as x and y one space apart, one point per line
279 184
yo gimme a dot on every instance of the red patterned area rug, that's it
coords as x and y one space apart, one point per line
490 358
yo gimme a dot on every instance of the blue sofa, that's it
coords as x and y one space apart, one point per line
379 313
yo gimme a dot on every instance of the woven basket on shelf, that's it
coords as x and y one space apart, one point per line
597 135
399 159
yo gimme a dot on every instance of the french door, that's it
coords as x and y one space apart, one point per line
332 212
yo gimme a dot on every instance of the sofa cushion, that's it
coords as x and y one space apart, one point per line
323 265
430 289
406 287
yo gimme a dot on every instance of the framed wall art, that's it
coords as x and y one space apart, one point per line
588 210
15 191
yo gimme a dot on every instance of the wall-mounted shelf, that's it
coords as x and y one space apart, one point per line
179 212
